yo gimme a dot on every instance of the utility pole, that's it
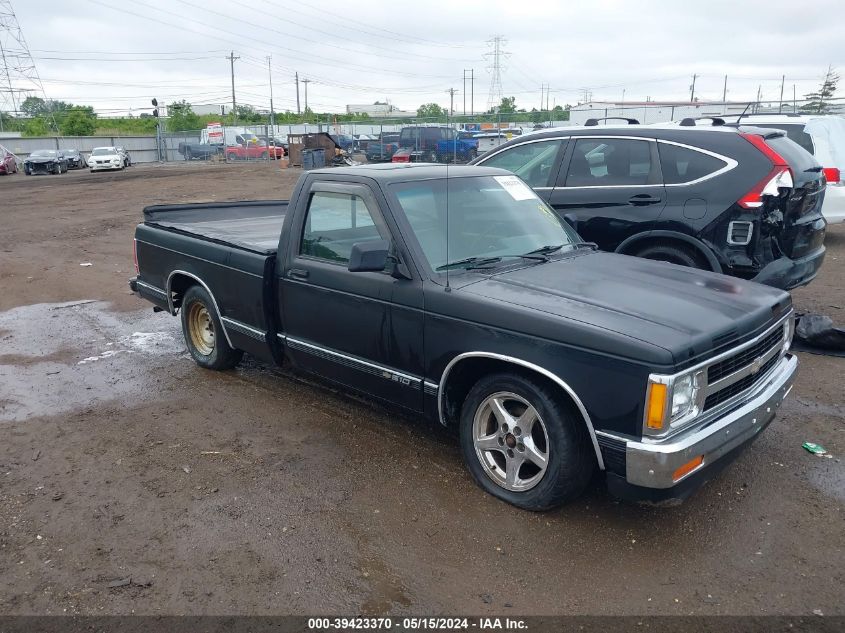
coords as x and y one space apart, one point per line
725 91
472 91
451 92
306 82
794 100
270 73
692 89
542 96
465 91
232 59
782 80
298 110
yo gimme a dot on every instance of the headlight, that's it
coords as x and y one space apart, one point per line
788 332
671 401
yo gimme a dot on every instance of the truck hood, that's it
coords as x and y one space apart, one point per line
685 311
37 160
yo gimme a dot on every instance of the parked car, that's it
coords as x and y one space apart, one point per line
248 151
382 149
199 151
127 159
746 202
505 325
821 135
344 141
419 143
360 142
106 158
45 161
8 162
277 148
75 159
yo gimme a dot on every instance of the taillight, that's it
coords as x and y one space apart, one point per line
135 256
831 174
780 176
401 158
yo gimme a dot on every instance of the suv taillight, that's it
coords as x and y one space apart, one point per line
779 177
832 175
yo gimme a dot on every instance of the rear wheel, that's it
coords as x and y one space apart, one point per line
203 332
524 443
674 254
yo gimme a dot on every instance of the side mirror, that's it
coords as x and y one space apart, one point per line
572 220
369 256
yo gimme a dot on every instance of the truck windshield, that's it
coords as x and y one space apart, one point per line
488 217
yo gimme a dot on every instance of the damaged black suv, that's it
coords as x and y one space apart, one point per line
740 201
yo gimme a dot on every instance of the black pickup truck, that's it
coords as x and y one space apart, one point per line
456 293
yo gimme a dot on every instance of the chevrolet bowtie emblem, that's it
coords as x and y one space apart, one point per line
756 365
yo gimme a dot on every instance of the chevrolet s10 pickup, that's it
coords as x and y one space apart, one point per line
457 294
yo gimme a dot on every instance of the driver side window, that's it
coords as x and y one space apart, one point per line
533 162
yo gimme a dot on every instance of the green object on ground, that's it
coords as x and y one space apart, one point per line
815 449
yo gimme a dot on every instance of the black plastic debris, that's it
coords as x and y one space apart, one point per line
816 333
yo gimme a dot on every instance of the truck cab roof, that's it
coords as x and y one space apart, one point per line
403 172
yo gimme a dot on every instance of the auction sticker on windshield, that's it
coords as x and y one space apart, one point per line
514 186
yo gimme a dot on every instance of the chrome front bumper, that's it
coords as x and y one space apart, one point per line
653 464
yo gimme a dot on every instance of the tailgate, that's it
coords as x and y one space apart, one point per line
803 223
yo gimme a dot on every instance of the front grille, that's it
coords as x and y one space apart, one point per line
723 395
728 366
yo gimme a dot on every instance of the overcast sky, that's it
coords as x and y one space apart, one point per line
116 55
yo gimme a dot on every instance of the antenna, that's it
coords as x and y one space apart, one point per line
448 287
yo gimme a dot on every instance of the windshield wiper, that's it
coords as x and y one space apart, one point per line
478 262
545 250
469 260
591 245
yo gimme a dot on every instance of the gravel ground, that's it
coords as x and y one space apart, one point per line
132 481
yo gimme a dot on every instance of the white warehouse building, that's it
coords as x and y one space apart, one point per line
651 111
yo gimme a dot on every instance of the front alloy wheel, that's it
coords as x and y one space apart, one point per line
511 441
524 441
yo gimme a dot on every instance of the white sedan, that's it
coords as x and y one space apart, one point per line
103 158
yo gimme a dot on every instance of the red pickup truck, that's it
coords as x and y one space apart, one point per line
248 151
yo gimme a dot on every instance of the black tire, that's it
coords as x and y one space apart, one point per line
673 254
57 169
264 155
199 319
570 458
188 153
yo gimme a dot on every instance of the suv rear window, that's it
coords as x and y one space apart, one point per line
683 164
794 132
798 158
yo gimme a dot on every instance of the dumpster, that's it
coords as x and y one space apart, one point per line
308 159
319 157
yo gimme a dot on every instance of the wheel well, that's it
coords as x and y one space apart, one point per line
688 247
467 372
179 285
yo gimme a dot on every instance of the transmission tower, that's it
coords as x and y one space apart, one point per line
496 56
18 74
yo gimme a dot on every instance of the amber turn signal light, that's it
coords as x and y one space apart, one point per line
656 406
687 468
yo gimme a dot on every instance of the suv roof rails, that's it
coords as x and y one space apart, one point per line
790 114
691 121
593 122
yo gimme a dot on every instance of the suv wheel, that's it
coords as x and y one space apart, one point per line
673 254
523 443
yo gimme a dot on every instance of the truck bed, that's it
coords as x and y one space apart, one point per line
254 226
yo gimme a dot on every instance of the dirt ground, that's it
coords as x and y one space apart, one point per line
257 492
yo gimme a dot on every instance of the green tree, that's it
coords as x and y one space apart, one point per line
508 105
36 126
33 106
819 100
430 111
182 117
79 121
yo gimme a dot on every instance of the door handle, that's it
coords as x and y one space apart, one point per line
643 198
297 273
